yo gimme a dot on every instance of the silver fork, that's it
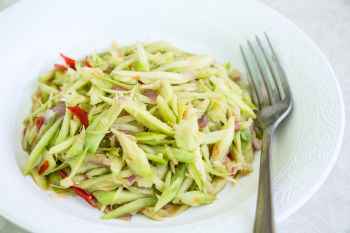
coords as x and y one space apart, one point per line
272 96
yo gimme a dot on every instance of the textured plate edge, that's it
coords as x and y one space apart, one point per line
286 213
13 219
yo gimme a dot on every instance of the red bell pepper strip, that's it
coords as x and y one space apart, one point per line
87 63
87 197
80 114
44 167
60 66
39 122
70 62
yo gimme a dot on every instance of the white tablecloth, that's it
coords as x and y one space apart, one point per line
327 23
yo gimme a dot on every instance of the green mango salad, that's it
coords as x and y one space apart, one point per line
145 128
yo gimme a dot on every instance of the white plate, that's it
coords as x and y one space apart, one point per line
306 144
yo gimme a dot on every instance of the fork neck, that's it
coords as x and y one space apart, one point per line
264 220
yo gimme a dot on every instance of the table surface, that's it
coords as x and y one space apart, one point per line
327 23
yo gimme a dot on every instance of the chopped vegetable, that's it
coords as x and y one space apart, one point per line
131 207
86 62
70 62
40 146
80 114
87 197
195 198
60 66
134 156
47 164
203 121
145 128
39 122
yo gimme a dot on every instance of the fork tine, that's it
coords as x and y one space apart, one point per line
281 80
252 84
261 88
269 80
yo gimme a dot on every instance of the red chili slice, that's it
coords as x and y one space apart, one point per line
80 114
39 122
231 171
70 62
87 63
62 174
229 155
44 167
84 195
87 197
60 66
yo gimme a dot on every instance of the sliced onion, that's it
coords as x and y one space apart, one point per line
122 99
109 135
131 179
60 108
48 115
151 94
126 217
37 161
123 113
100 161
251 130
61 111
203 121
191 76
255 141
104 159
125 131
95 164
119 88
108 70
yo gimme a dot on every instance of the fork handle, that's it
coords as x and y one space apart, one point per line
264 221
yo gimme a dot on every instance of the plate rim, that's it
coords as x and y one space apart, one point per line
325 174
